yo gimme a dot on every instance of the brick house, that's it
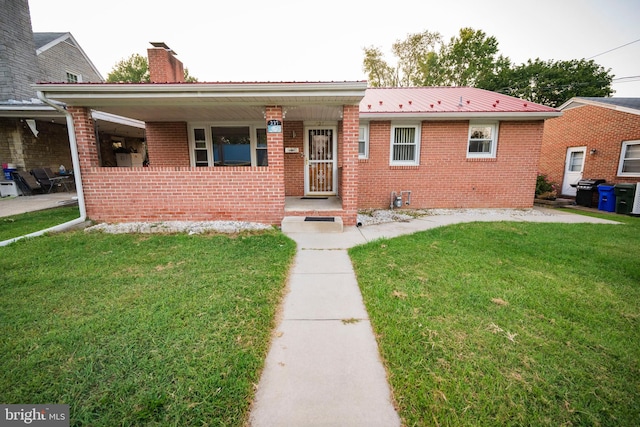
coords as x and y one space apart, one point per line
245 151
595 138
33 134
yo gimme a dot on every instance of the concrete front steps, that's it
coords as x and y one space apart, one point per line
312 224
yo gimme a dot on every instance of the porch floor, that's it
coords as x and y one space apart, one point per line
297 203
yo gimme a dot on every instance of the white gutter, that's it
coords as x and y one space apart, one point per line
75 160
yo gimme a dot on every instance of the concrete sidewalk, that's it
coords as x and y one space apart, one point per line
17 205
323 367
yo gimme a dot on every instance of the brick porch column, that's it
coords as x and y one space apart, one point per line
85 137
275 154
350 128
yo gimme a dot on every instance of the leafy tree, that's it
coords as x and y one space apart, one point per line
472 59
135 69
467 60
379 73
555 82
410 53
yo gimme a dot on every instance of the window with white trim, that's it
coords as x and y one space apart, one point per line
483 140
228 145
629 159
405 145
73 78
363 142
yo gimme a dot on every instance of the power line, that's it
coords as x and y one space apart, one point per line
615 48
626 78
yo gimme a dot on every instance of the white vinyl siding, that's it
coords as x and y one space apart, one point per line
629 159
483 140
405 145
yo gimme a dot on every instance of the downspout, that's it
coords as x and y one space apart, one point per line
75 160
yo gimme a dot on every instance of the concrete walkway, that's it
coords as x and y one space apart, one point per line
323 368
17 205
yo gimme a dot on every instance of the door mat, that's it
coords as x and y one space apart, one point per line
320 219
313 198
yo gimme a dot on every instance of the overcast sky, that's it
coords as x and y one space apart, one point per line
297 40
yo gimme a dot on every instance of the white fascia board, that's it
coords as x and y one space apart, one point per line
28 110
114 118
539 115
241 90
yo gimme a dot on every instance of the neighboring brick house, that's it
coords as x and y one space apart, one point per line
242 151
33 134
595 138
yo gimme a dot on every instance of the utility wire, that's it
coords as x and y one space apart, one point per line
615 48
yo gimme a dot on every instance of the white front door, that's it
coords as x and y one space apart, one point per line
320 153
573 167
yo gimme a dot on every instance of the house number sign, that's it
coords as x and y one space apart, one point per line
274 126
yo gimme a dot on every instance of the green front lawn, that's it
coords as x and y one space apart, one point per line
140 329
489 324
30 222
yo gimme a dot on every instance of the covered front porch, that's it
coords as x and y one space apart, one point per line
186 124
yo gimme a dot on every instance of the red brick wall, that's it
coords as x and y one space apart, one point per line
183 193
167 144
594 127
172 190
85 136
294 162
164 67
445 178
348 162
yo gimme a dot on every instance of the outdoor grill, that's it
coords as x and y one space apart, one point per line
586 189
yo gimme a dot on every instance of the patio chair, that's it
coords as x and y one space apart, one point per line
26 182
40 174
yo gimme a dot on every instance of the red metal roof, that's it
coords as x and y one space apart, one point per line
446 100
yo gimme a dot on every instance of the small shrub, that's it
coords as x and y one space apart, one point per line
546 189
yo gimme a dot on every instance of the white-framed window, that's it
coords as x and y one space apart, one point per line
405 144
629 159
483 140
213 144
363 141
73 78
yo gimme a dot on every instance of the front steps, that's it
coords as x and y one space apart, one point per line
313 224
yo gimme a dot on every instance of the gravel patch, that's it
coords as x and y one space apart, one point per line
189 227
369 217
383 216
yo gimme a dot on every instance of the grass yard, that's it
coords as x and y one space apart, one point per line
19 225
489 324
167 330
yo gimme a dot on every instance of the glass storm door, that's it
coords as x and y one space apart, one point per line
573 168
320 161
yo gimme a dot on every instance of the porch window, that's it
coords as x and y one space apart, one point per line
405 145
629 159
221 145
482 140
231 146
363 142
200 147
261 147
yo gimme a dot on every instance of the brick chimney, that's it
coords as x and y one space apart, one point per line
164 67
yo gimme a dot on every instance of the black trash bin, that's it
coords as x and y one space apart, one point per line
586 190
625 194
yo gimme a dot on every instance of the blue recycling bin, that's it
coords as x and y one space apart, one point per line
607 198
